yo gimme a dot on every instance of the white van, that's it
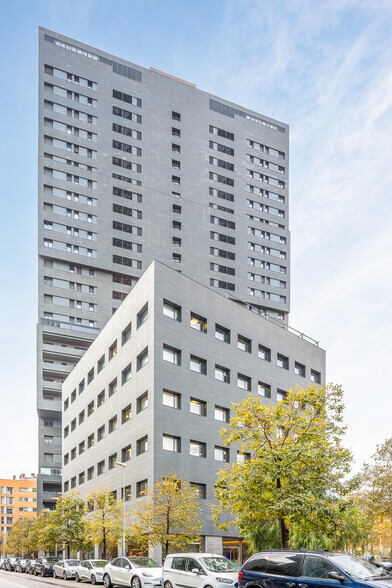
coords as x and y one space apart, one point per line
198 570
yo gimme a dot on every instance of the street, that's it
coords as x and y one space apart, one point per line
15 579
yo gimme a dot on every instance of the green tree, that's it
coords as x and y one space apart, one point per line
20 537
169 517
42 534
104 520
66 522
297 464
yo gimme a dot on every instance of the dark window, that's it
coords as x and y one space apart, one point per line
284 564
257 564
317 567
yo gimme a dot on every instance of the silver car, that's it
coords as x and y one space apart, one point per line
137 572
90 569
65 568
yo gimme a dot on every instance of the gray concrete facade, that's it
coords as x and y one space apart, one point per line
188 401
135 165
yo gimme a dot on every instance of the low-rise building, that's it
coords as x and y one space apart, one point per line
18 498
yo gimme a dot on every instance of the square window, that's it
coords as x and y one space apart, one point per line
113 424
264 353
197 364
264 390
199 489
172 310
222 414
100 398
126 453
113 387
242 457
176 116
198 407
315 377
142 402
176 180
142 315
222 374
176 132
244 344
198 322
126 334
176 164
126 414
101 364
170 443
281 395
244 382
141 488
113 350
142 445
176 148
171 355
142 359
221 454
176 257
197 449
282 361
171 399
126 374
222 334
299 369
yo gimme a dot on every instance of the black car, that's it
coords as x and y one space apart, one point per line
30 566
44 566
309 569
20 565
9 564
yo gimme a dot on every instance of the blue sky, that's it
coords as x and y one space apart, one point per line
323 67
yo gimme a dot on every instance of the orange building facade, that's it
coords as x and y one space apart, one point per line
18 499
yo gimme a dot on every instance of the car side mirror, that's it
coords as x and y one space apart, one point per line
127 567
337 576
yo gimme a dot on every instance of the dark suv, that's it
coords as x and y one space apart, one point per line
44 566
309 569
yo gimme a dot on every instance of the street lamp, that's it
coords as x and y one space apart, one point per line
123 466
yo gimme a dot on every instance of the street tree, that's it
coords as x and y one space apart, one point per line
295 468
170 516
66 522
42 534
20 537
103 518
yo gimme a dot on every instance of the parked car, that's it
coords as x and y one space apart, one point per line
385 565
20 565
199 570
2 560
90 569
65 568
137 572
9 564
30 566
310 569
44 566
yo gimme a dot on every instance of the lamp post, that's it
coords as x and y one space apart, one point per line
123 466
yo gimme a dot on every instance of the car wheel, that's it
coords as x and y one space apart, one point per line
107 581
77 579
135 582
168 584
93 579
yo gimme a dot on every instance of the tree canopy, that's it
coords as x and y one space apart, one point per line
103 518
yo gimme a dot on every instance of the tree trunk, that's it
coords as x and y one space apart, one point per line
284 534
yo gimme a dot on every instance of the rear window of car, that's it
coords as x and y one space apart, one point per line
284 564
257 564
178 563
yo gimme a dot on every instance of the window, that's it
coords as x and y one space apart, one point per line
112 461
197 449
126 453
176 132
176 257
244 344
73 482
81 386
90 408
316 567
284 564
66 486
222 333
171 443
126 374
264 390
141 488
197 364
176 116
81 478
66 404
113 387
281 395
198 407
73 396
171 399
282 361
222 414
101 364
142 445
142 402
90 441
127 493
73 453
199 489
90 376
172 310
81 417
126 334
48 422
176 164
101 433
126 414
113 424
171 355
222 374
315 377
66 458
142 315
198 322
101 467
221 454
242 457
264 353
73 424
113 350
244 382
142 359
81 447
100 398
299 369
176 180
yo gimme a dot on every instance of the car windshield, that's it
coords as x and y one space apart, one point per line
219 564
357 568
143 562
71 562
99 563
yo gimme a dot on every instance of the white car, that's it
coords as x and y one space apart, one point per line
90 569
199 570
137 572
65 568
